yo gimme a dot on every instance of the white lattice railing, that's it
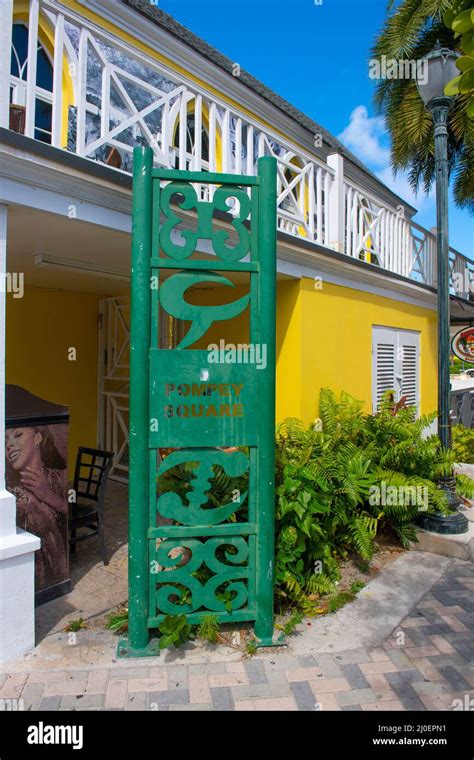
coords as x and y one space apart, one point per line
103 97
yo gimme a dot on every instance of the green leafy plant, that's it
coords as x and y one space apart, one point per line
411 30
209 629
326 475
75 625
289 626
339 600
118 621
251 647
460 18
463 444
175 630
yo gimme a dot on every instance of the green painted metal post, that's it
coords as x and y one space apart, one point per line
267 231
139 398
439 111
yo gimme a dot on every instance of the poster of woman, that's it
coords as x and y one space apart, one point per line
36 473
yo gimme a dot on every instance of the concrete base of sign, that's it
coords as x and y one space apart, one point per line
152 649
17 583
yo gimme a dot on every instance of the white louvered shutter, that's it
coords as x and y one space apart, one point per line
409 351
395 365
384 352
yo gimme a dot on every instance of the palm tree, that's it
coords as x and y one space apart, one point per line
411 30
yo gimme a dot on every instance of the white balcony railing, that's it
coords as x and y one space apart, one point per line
101 97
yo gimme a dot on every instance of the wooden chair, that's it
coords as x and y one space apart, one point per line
87 511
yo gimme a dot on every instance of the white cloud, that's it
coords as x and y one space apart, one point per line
363 136
366 137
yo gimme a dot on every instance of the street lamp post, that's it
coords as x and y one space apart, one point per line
439 69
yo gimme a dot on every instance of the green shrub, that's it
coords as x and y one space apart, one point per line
326 477
463 444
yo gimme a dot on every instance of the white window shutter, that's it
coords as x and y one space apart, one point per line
384 353
395 365
409 352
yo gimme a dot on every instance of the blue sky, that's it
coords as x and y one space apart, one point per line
315 54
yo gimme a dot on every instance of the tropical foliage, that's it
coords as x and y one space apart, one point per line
461 20
411 30
328 477
326 474
463 444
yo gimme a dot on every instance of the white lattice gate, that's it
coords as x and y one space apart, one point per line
114 382
114 377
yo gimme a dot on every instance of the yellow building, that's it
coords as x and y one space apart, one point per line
356 298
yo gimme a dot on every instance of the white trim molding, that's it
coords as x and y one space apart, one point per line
17 548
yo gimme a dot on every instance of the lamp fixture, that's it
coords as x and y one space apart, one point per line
79 267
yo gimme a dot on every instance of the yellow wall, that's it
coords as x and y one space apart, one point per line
324 339
337 344
41 327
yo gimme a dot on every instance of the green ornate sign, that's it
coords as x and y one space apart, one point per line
202 413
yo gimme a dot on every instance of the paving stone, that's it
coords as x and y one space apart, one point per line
420 636
304 696
255 671
378 655
199 691
353 657
431 687
380 686
13 685
383 666
137 701
116 694
275 703
211 668
320 685
355 677
31 696
454 623
222 698
261 691
329 666
400 659
71 686
50 703
442 644
356 697
148 684
454 677
394 704
71 702
465 649
174 697
351 708
301 674
244 705
404 676
178 675
308 661
228 680
190 707
407 695
97 681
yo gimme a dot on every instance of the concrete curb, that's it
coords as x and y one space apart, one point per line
378 609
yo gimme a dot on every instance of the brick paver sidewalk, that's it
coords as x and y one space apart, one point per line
426 664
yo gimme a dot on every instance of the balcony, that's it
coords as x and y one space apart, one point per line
82 89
